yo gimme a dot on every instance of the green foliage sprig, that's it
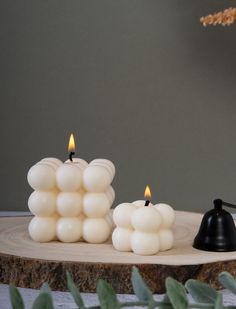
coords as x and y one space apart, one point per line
176 296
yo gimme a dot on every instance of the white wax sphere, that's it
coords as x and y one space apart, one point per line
95 205
96 230
122 214
54 161
42 203
166 239
109 218
121 239
107 164
141 203
42 229
145 243
96 178
69 229
42 177
69 204
82 164
110 193
167 213
69 177
146 219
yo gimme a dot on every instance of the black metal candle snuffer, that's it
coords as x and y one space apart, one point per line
217 231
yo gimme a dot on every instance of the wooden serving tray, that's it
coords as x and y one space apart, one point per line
29 264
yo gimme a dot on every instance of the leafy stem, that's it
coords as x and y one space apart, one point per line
176 297
167 305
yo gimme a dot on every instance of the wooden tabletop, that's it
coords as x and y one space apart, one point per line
28 263
15 240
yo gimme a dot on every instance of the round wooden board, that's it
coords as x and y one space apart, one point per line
29 264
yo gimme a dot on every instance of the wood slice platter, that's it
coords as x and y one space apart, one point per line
29 264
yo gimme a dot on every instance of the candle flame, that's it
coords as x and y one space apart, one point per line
71 145
147 192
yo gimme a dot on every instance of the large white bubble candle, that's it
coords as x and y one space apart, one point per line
72 200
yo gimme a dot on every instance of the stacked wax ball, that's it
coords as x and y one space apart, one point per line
71 201
145 230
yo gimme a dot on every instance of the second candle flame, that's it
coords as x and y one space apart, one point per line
71 145
147 192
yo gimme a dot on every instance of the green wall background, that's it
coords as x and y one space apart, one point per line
139 82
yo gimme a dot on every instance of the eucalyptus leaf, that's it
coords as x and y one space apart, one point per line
43 301
201 292
219 301
74 291
175 297
15 297
228 281
140 288
45 288
176 293
107 295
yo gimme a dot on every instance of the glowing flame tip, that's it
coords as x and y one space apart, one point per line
147 192
71 145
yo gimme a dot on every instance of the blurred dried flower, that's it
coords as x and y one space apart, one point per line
224 18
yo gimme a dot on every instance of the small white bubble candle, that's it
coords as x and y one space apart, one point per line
142 227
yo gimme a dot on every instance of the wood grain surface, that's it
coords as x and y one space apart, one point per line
28 263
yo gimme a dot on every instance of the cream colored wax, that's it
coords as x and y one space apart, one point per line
145 230
67 208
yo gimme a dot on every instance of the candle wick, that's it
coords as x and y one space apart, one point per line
70 156
147 203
